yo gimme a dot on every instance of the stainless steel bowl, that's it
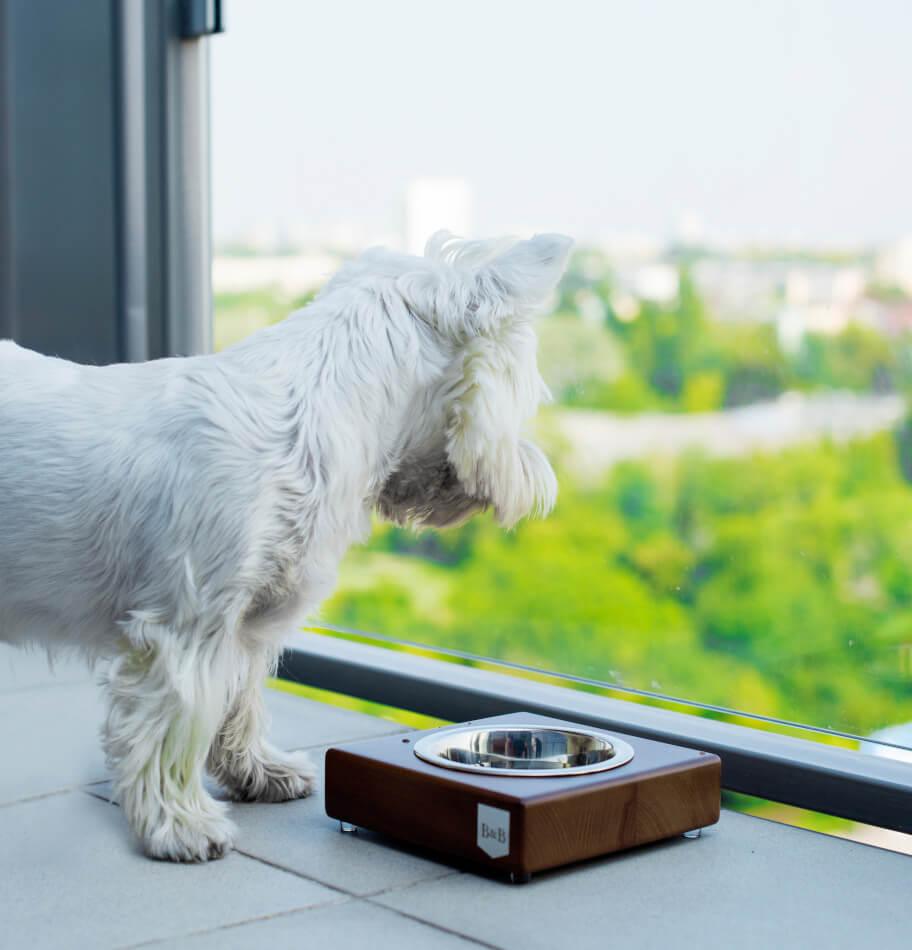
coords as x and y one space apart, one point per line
524 751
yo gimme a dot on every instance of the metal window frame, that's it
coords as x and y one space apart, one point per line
165 240
865 788
58 179
7 290
105 224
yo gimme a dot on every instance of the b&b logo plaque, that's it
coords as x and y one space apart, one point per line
493 831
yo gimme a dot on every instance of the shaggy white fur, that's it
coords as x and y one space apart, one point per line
176 517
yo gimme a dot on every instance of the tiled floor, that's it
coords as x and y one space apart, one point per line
71 874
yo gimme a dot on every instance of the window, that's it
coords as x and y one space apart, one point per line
729 352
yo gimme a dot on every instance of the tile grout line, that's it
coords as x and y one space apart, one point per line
57 791
436 926
350 899
369 896
237 923
35 687
449 872
333 742
298 874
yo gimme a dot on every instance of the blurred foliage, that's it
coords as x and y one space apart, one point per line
402 716
237 315
777 584
856 359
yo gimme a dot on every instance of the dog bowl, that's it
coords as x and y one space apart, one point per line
524 750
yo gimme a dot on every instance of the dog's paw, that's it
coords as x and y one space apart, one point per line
280 778
291 777
202 838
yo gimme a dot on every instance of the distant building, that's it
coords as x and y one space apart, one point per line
894 265
434 204
819 299
740 290
655 282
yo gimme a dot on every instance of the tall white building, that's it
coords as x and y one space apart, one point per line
434 204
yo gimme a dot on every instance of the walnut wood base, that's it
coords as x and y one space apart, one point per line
536 823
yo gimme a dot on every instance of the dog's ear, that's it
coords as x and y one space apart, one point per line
477 285
519 281
498 386
498 389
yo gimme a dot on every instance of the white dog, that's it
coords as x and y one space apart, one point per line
177 517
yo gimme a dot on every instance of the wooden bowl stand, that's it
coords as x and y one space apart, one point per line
520 825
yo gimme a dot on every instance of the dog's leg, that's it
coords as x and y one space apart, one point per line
243 762
166 702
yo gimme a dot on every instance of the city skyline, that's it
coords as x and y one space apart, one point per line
783 123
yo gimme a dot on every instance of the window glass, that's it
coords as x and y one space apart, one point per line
729 351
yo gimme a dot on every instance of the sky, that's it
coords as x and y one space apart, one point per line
757 121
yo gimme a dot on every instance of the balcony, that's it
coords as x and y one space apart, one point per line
73 875
787 368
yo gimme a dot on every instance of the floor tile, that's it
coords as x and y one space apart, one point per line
51 736
25 669
299 723
73 877
50 740
352 925
746 883
299 836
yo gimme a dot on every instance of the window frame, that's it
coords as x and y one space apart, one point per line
110 191
870 789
